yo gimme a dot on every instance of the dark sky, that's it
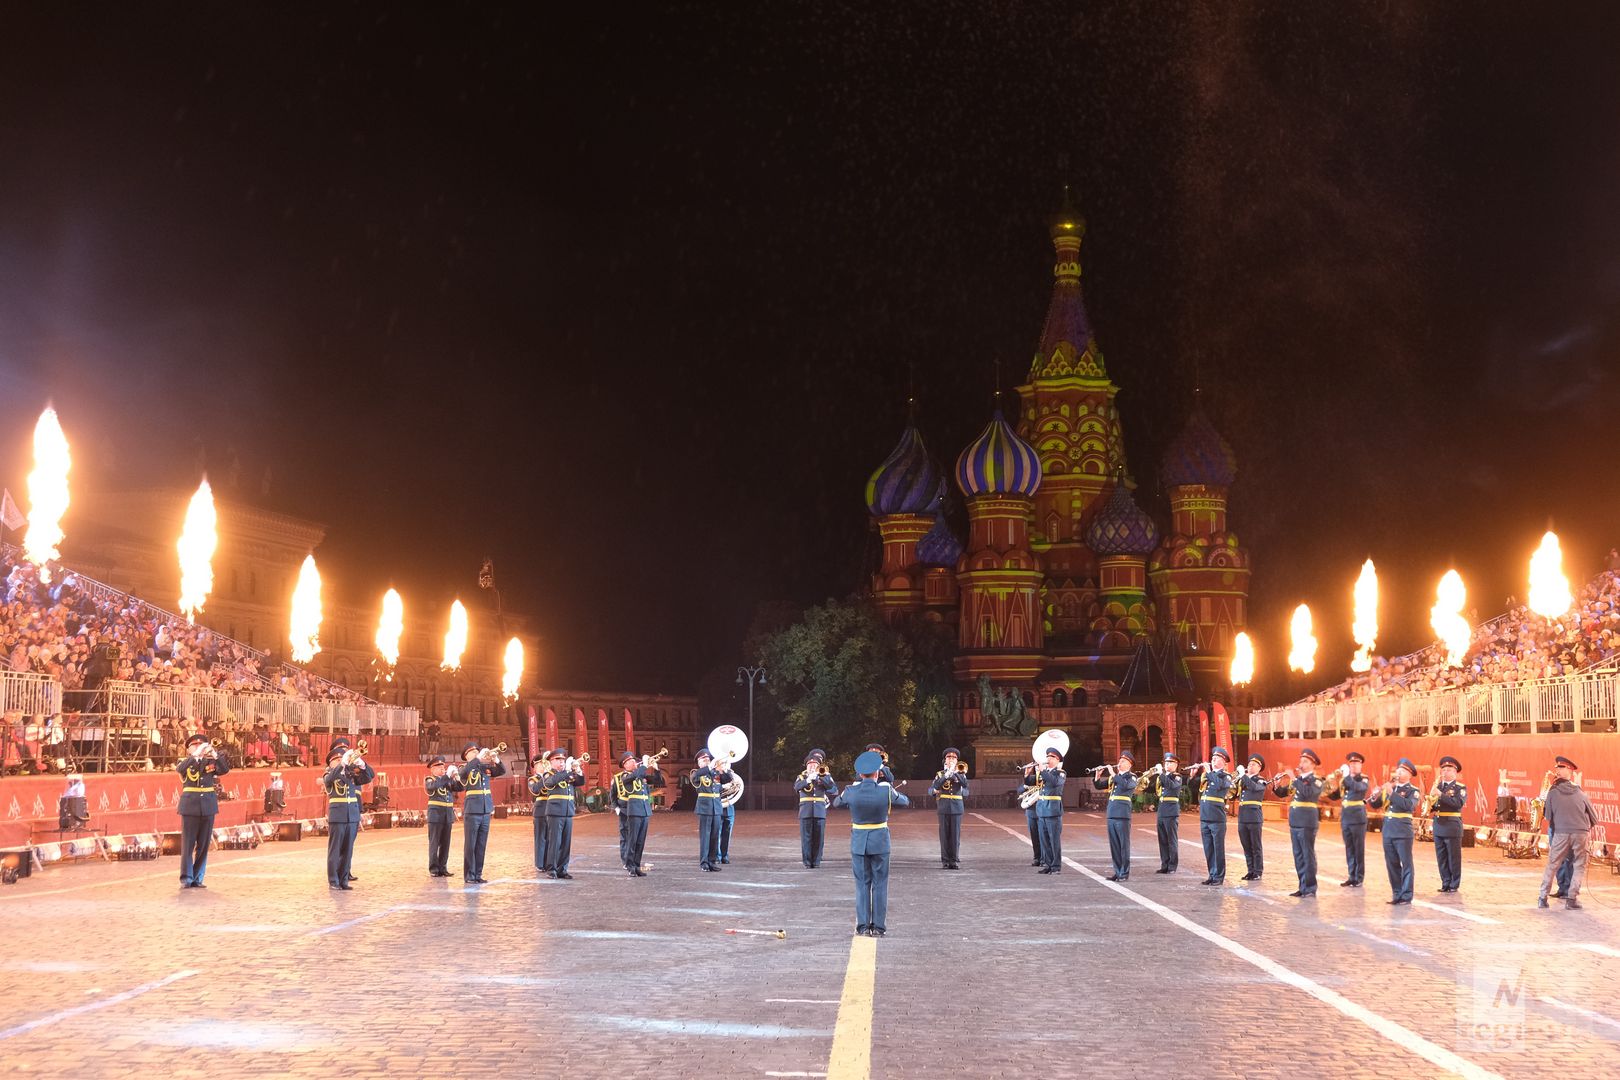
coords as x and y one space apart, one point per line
628 300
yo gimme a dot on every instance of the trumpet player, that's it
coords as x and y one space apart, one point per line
559 785
1446 804
1251 793
633 799
1400 801
1304 790
816 791
537 788
1349 788
1214 789
950 788
346 773
708 778
198 805
441 815
885 774
1032 814
1571 817
1049 810
479 767
1167 781
1121 784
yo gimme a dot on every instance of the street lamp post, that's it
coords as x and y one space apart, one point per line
752 675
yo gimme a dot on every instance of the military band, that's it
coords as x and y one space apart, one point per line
1215 788
708 778
1049 809
1251 792
1446 803
1032 816
1167 781
815 788
1399 799
561 779
478 768
950 790
1120 783
346 774
1304 793
1348 787
537 789
632 798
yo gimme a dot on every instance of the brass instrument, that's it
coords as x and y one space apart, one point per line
1431 799
962 767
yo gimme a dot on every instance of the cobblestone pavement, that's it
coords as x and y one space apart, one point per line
993 970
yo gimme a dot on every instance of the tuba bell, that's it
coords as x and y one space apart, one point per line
729 743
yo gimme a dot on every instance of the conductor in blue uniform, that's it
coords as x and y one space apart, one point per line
868 801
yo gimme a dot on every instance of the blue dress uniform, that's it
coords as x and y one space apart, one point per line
1120 787
950 789
537 788
1304 819
1049 810
1251 792
1352 792
441 815
815 793
1032 819
708 781
1448 827
633 789
476 810
1214 789
1167 785
559 786
1399 807
342 784
868 802
199 803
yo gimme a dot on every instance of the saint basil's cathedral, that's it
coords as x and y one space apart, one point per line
1064 593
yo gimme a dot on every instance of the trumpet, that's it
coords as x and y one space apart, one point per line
575 764
961 767
650 761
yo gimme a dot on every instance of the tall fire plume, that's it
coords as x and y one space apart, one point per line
1549 588
1242 659
1302 643
1450 597
1365 627
199 539
305 632
47 493
455 639
514 669
390 626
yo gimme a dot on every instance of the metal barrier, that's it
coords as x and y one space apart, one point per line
1585 702
29 694
139 701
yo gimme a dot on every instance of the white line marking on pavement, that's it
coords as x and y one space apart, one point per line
1578 1011
1381 941
768 1072
335 927
1262 897
1404 1037
1601 950
1456 914
798 1001
116 999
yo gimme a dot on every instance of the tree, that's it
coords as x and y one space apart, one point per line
840 677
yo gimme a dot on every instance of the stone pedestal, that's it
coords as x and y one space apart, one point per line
1001 755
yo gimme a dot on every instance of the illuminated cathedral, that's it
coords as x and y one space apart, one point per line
1064 591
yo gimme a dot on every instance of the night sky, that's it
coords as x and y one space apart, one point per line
631 301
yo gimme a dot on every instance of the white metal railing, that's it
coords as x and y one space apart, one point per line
204 703
29 693
1584 702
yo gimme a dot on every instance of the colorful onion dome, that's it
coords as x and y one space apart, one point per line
907 482
939 547
998 462
1120 527
1199 456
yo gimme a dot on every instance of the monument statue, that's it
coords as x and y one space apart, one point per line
1004 711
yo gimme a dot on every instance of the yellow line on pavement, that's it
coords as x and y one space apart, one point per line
852 1036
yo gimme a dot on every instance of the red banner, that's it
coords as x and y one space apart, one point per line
629 734
582 741
553 736
604 747
1203 735
534 734
1223 729
1516 763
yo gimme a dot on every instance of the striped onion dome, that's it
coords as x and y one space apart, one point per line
1120 527
907 482
939 547
998 462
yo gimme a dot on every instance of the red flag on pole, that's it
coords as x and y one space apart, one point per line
1203 735
534 733
1223 728
604 747
629 734
553 736
582 741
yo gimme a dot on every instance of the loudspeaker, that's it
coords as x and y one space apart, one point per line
289 830
498 812
17 861
170 842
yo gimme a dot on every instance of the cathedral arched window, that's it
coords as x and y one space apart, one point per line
1060 698
1080 697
